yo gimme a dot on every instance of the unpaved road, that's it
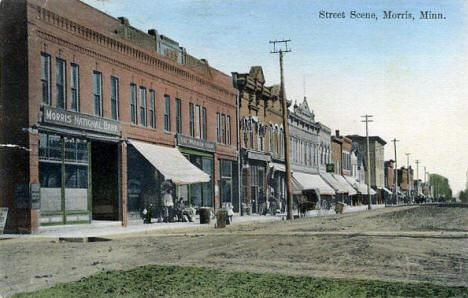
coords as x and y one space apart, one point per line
406 243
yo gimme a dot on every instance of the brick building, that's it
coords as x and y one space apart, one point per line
108 113
261 140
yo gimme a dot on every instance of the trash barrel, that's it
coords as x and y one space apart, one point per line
204 215
221 217
339 208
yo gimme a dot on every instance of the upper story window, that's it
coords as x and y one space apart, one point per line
133 104
167 112
45 78
143 102
75 88
114 98
228 130
152 109
60 82
218 127
97 91
197 121
204 123
178 115
223 128
191 120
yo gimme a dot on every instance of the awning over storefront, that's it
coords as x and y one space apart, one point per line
278 167
351 191
337 187
360 187
171 163
311 181
388 191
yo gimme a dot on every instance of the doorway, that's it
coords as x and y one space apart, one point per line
105 180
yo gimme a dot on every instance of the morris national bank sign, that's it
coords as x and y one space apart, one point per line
80 121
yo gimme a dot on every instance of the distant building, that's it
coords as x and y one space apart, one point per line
376 164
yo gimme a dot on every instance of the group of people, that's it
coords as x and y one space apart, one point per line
170 210
270 206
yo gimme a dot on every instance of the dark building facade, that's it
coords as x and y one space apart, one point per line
99 108
261 141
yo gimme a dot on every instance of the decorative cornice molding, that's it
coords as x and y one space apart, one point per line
115 45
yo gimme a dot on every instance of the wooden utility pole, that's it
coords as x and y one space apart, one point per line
408 178
367 120
396 171
280 51
417 177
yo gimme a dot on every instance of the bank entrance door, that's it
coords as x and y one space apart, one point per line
105 180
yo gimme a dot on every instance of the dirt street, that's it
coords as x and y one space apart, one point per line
406 244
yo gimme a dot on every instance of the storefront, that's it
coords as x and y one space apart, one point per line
276 184
78 168
201 154
255 169
150 165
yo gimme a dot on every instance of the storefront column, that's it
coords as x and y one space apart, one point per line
34 178
216 182
123 183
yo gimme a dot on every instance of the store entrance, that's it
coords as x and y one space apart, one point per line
105 180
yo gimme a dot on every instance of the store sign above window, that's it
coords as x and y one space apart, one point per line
190 142
79 121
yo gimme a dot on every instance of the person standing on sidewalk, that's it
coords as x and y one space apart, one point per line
168 204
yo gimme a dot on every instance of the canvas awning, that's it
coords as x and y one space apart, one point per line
311 181
278 167
351 191
387 190
171 163
360 187
337 187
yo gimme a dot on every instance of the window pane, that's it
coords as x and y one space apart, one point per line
45 78
75 105
167 113
43 146
70 149
60 83
114 98
178 115
97 82
143 106
50 175
55 145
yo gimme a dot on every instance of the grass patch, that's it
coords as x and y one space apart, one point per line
154 281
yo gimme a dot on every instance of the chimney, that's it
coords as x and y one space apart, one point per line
337 133
124 21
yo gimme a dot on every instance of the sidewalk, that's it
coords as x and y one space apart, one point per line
99 228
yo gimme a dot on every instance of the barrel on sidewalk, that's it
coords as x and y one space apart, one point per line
205 214
221 217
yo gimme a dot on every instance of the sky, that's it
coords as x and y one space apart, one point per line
409 74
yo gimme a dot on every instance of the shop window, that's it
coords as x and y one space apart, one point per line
75 88
226 181
114 98
45 78
178 116
133 104
76 176
167 113
143 99
60 83
152 109
97 92
50 175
